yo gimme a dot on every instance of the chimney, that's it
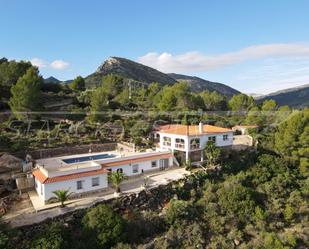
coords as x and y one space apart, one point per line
200 127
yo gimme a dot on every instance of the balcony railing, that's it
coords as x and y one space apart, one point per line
167 143
179 145
194 146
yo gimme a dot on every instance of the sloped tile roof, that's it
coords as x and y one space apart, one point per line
192 130
38 174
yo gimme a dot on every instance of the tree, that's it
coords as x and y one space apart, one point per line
116 177
62 196
255 117
78 84
11 71
271 241
113 85
288 213
4 236
177 211
175 97
214 101
283 113
107 226
212 153
269 105
292 139
139 130
237 200
53 236
166 99
99 103
151 92
241 102
268 109
26 94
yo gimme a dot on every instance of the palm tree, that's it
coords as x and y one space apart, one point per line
62 196
116 177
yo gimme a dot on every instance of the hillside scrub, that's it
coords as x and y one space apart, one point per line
258 200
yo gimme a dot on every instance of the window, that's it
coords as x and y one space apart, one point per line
163 163
167 141
153 164
95 181
79 185
135 168
179 143
225 137
195 143
212 139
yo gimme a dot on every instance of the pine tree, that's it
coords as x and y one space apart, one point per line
26 94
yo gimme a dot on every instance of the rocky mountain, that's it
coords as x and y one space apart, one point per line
128 69
293 97
51 80
145 75
198 84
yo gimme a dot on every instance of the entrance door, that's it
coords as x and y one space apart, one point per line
163 164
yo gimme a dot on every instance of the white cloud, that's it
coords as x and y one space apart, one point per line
38 62
59 64
275 74
56 64
197 62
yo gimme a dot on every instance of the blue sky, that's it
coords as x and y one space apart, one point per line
253 46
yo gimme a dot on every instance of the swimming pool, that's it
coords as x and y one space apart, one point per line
87 158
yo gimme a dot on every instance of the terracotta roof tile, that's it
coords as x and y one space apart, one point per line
245 126
191 130
39 175
44 179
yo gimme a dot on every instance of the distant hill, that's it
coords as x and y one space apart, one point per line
197 84
51 80
293 97
146 75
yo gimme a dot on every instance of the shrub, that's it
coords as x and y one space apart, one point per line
177 211
53 236
107 226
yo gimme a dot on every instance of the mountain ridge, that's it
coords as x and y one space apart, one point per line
52 79
146 75
293 97
199 84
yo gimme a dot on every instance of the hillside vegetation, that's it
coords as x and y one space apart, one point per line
79 110
258 200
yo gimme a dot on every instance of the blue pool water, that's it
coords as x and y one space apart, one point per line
87 158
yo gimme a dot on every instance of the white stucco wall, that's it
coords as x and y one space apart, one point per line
39 188
219 139
71 185
173 141
146 166
203 140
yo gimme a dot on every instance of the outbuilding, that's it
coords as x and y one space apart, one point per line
87 173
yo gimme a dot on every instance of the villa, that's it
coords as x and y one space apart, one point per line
89 172
188 141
